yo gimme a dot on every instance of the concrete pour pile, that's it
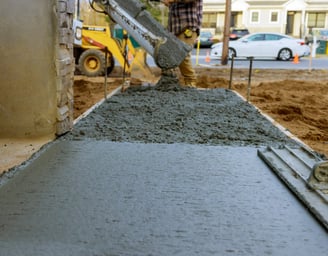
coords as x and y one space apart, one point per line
169 113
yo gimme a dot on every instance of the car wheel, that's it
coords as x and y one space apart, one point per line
231 53
285 54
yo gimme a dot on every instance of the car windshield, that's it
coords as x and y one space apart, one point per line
256 37
244 37
205 34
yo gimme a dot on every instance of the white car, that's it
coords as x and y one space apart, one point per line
263 46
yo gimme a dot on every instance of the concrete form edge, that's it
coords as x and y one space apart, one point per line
86 113
276 124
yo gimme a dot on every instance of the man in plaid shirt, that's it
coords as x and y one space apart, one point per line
185 18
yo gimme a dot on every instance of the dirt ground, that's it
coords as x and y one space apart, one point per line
296 99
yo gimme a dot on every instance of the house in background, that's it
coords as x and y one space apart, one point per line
292 17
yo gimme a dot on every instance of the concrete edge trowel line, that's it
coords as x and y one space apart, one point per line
167 50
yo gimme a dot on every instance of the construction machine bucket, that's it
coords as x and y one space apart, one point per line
166 49
139 69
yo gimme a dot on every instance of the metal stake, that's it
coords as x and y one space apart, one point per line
105 82
249 77
231 70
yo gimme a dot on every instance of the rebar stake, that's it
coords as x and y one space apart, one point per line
249 77
105 81
231 70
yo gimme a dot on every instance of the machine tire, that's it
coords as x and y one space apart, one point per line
92 63
110 64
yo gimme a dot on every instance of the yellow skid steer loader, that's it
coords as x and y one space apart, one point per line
97 42
166 49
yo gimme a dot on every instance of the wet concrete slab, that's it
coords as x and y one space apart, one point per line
105 198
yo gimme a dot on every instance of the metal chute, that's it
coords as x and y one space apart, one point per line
167 50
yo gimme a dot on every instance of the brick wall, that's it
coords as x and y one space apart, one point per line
65 65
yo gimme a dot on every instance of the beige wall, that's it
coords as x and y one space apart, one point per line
30 79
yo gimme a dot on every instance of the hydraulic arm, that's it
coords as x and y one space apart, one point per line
167 51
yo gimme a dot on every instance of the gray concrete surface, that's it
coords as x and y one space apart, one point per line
182 178
104 198
173 114
37 68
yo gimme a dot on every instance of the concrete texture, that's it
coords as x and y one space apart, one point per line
36 76
169 113
203 191
105 198
16 151
28 94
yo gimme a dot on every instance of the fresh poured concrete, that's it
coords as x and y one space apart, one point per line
92 197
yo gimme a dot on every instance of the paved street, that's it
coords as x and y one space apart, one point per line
319 61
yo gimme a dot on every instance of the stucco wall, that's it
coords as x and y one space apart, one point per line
31 86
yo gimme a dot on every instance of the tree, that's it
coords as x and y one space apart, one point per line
226 33
90 16
157 10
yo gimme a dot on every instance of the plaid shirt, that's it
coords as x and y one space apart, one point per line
185 14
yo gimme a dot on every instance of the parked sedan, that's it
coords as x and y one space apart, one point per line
205 39
321 35
263 46
237 33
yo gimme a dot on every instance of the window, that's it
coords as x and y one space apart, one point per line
274 16
209 20
316 20
255 16
257 37
273 37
